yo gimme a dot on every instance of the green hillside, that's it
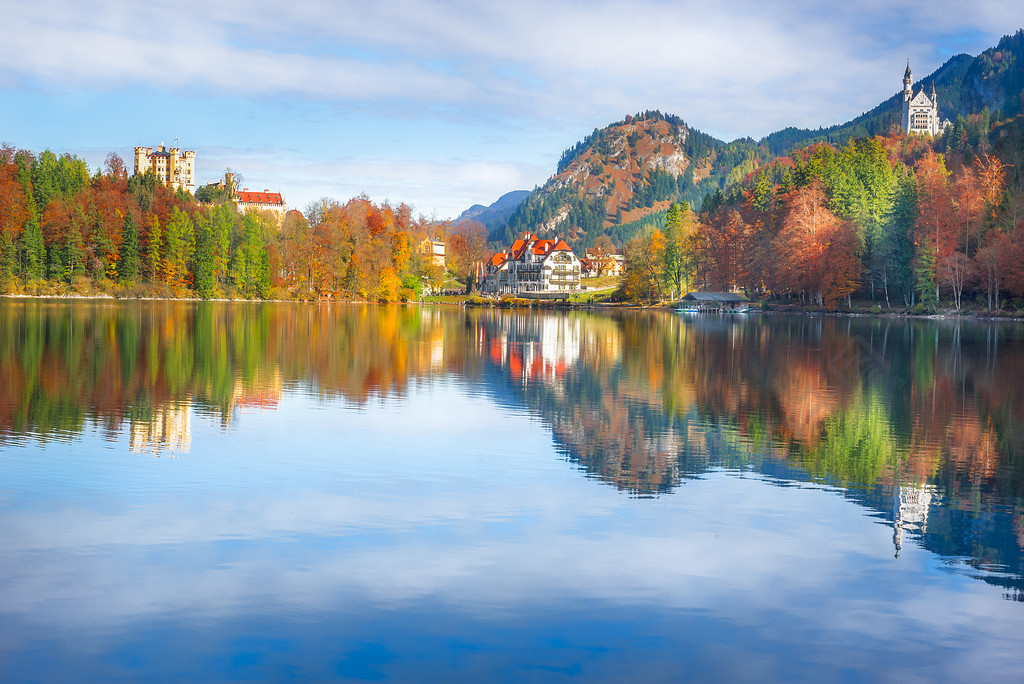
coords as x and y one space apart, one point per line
625 175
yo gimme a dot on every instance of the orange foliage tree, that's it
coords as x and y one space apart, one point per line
816 253
936 224
13 214
466 248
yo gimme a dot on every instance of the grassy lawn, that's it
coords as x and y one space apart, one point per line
594 296
446 299
602 283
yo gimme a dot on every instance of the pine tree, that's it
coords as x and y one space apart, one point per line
154 242
926 278
32 247
131 262
72 262
203 278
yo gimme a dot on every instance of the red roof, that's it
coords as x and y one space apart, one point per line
542 246
498 259
562 246
517 248
246 197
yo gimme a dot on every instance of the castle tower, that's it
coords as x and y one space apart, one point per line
921 110
908 94
172 166
935 111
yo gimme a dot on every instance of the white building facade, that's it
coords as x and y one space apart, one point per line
920 111
266 201
532 265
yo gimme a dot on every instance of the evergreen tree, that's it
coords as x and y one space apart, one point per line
926 279
892 261
32 247
179 243
203 279
72 260
131 262
762 194
677 257
222 221
154 242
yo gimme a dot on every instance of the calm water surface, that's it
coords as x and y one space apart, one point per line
234 492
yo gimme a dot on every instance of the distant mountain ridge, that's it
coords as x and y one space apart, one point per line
626 174
497 213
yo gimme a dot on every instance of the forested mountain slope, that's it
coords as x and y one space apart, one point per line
626 175
627 171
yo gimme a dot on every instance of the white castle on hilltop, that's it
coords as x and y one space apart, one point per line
920 112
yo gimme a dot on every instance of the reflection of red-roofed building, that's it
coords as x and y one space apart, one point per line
260 393
272 202
532 265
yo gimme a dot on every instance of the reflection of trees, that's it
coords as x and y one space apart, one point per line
67 365
853 402
638 400
884 408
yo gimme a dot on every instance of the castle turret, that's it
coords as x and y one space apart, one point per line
908 94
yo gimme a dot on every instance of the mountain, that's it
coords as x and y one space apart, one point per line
627 171
625 175
947 79
497 213
964 85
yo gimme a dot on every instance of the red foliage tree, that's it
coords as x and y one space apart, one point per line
816 253
723 250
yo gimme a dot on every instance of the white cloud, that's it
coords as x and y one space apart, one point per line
727 62
749 556
538 71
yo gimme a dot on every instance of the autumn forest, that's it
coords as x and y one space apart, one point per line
906 222
64 230
895 222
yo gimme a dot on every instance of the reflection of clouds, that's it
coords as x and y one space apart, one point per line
734 548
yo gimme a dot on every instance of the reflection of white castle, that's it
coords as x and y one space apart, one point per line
910 512
168 431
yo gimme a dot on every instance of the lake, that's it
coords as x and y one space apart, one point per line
267 492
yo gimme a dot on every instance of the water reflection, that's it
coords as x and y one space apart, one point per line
916 421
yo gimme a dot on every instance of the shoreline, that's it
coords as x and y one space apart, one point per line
533 304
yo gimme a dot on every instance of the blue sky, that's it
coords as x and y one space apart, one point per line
445 104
